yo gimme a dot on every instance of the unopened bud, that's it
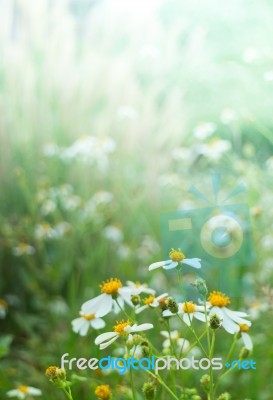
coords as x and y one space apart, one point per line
224 396
205 383
172 305
135 299
201 286
244 353
55 373
215 321
149 390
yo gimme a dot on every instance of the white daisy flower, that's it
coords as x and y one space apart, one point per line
230 319
81 325
188 311
245 336
23 391
22 249
3 308
151 301
137 288
120 329
112 298
180 343
176 258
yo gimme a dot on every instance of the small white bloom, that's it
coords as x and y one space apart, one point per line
23 249
112 298
23 391
120 329
113 234
230 319
176 258
188 311
137 288
204 130
82 324
151 301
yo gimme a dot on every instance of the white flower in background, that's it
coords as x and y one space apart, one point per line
23 391
228 116
147 248
23 249
122 328
204 130
188 311
267 242
245 336
81 325
137 288
215 148
89 149
127 112
3 308
181 344
152 302
58 307
230 319
177 258
181 154
113 234
48 207
257 307
46 231
99 204
112 298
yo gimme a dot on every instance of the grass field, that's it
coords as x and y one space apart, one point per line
110 111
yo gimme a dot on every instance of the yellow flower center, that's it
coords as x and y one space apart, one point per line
23 389
119 327
176 255
88 317
218 299
189 307
111 286
138 284
3 304
23 247
243 328
103 392
149 300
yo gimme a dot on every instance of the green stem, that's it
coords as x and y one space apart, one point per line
232 347
157 377
210 369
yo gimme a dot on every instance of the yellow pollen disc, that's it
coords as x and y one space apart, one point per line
149 300
23 246
119 327
103 392
176 255
138 284
218 299
23 389
111 286
189 307
243 328
88 317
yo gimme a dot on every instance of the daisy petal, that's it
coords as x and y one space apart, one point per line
192 262
140 309
138 328
100 305
159 264
234 316
34 391
97 323
247 340
105 336
200 316
167 313
77 324
171 265
230 326
106 344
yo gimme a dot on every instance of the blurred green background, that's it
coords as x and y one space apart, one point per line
109 111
